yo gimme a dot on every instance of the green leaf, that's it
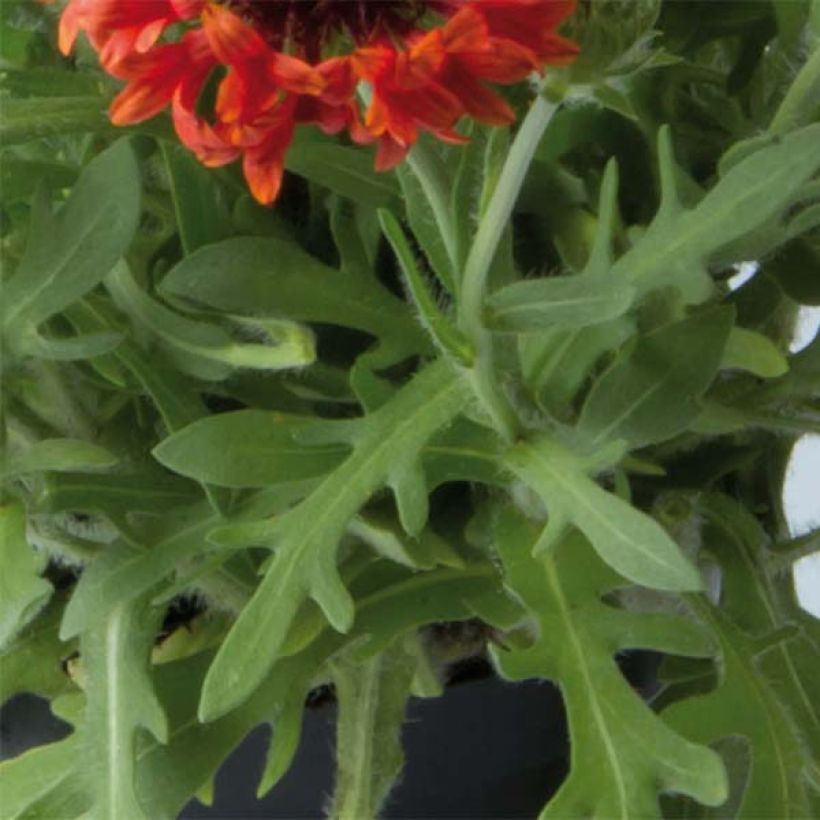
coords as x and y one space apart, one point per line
799 106
623 755
120 700
356 234
558 302
795 267
610 94
390 602
124 571
31 343
466 451
168 775
146 492
201 634
44 782
306 537
754 353
631 542
346 171
726 224
20 177
58 454
248 448
41 81
427 193
23 593
468 183
744 704
652 394
32 662
33 117
767 669
201 210
70 253
176 401
718 419
270 277
204 349
383 534
557 363
791 16
372 697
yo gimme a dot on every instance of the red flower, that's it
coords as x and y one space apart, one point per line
155 76
427 65
118 28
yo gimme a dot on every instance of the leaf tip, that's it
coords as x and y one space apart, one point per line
223 690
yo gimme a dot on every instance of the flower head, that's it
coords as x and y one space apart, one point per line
280 64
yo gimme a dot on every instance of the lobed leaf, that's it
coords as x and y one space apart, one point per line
623 755
270 277
129 569
431 219
766 677
631 542
759 188
387 606
307 536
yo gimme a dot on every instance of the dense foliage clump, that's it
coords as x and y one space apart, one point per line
510 383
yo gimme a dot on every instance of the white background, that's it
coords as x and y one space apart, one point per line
801 493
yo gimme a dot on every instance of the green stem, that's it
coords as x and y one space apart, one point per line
481 257
448 338
372 696
802 99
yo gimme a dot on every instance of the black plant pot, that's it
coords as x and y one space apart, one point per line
485 749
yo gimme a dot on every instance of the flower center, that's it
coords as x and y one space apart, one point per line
308 26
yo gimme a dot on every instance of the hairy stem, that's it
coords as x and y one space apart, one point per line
372 698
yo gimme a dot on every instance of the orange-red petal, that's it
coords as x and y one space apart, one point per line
421 78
